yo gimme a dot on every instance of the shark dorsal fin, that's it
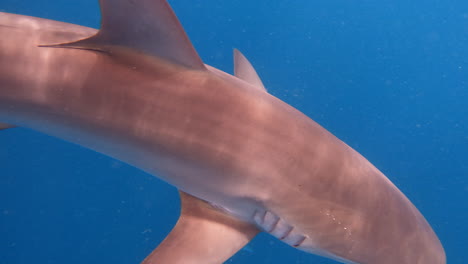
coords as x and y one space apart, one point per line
203 235
244 70
147 26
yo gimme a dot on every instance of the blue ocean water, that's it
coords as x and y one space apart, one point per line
390 78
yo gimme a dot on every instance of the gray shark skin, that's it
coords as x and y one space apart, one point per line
244 160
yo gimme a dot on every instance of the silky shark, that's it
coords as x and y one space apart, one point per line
243 160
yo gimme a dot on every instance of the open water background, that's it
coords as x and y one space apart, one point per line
390 78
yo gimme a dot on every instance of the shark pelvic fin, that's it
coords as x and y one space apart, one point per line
244 70
147 26
5 126
203 235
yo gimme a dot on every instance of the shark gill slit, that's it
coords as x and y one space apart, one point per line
287 233
276 226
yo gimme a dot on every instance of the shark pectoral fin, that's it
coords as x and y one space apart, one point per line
203 235
5 126
244 70
147 26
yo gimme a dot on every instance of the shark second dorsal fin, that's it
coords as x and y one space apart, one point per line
203 235
147 26
244 70
5 126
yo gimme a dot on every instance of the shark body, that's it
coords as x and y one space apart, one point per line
244 160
